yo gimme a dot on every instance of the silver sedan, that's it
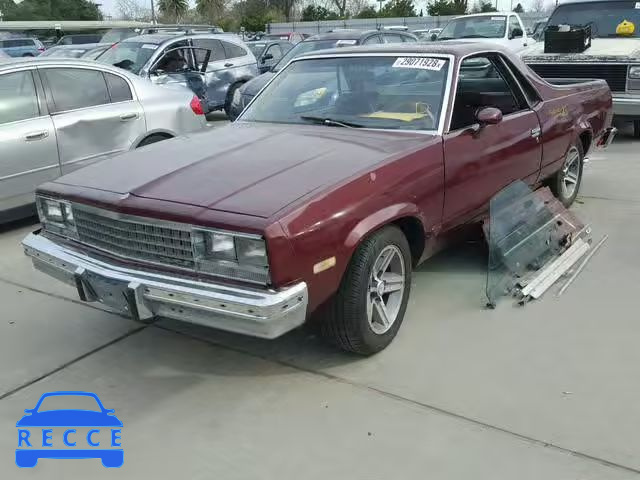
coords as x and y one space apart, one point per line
57 115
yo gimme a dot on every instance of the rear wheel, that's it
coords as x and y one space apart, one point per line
229 99
370 304
565 184
152 139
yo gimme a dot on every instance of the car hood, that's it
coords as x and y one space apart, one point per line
253 86
247 168
69 418
602 49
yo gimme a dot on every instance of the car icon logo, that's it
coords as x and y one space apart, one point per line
66 433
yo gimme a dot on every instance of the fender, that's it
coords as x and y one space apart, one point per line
150 133
380 218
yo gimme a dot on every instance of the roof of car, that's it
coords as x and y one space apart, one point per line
458 48
342 35
158 38
6 64
486 14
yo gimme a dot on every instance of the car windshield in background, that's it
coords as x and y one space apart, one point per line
475 27
386 92
130 56
256 48
16 43
604 17
117 35
64 52
310 46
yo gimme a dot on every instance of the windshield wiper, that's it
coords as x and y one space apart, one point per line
330 122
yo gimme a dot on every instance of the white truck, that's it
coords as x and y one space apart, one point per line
505 28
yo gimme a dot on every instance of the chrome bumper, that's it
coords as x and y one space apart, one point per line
143 295
625 105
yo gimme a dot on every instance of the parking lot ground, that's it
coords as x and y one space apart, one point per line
550 390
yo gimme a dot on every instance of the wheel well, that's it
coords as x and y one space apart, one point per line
163 135
413 230
585 139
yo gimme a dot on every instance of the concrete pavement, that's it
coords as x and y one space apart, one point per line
546 391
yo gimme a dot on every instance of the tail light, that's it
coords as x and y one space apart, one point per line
41 49
196 106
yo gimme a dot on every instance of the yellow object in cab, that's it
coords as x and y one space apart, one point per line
625 28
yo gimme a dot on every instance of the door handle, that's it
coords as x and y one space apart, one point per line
30 137
228 64
535 132
128 116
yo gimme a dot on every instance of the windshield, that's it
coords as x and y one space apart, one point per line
256 48
64 52
130 56
475 27
603 17
310 46
117 35
386 92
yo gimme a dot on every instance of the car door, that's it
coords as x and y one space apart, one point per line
95 114
215 78
28 155
516 38
481 160
269 58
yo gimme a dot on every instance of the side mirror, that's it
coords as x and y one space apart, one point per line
434 37
267 56
516 33
488 116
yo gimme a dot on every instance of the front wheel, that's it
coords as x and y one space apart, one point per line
227 104
370 304
565 184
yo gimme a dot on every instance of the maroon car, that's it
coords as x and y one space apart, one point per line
336 181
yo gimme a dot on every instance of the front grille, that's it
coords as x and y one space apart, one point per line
614 74
135 239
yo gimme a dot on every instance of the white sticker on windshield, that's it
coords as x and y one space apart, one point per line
150 46
497 18
341 43
637 5
419 62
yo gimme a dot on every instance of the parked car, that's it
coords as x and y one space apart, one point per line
537 32
611 56
339 38
323 196
21 47
79 39
505 29
3 56
73 51
212 65
293 37
268 53
96 51
62 114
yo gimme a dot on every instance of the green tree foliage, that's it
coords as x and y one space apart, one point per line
483 7
313 13
519 8
367 12
50 10
398 8
174 10
446 7
212 11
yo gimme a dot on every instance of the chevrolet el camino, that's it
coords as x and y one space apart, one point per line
340 177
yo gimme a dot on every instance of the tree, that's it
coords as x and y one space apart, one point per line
519 8
211 10
398 8
484 7
52 10
285 6
446 7
538 6
132 10
367 12
341 5
174 10
311 13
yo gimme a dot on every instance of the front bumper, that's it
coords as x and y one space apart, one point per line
626 106
144 295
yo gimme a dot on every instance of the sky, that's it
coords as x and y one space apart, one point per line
109 7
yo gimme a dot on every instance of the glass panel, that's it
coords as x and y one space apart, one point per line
18 99
74 88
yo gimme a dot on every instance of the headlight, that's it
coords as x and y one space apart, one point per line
634 71
231 255
56 216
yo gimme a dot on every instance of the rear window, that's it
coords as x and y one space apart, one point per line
118 88
74 88
16 43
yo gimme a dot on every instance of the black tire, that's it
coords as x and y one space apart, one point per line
152 139
636 128
346 324
229 99
557 182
